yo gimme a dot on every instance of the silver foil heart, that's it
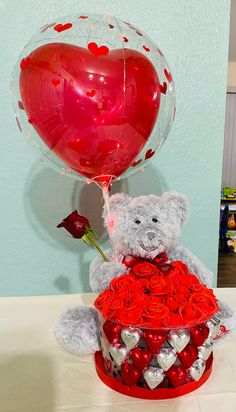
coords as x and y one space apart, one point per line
214 326
178 339
119 353
166 358
205 350
197 369
131 337
153 376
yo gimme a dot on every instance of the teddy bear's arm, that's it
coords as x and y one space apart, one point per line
194 264
226 314
101 273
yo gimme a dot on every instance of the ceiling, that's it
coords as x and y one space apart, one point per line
232 37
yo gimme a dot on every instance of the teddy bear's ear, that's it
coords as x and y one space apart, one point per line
176 204
117 203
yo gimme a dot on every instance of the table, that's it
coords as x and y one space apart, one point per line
37 375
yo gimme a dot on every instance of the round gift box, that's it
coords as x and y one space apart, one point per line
155 363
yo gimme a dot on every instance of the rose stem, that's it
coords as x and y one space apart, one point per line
94 243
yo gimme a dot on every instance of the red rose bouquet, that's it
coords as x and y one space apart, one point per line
157 297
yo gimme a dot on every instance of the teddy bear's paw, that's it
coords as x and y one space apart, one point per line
204 275
77 331
101 276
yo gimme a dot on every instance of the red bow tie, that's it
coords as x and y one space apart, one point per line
130 261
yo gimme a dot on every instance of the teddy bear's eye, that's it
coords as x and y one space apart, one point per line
154 219
137 221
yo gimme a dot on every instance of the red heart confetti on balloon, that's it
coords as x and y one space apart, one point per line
199 334
136 162
163 88
124 39
130 374
20 105
56 82
149 154
98 51
83 17
146 48
25 62
91 93
177 375
188 355
160 52
154 339
112 331
61 27
141 358
110 26
168 75
139 33
31 120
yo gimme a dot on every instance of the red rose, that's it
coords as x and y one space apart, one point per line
205 301
133 299
130 316
188 280
143 284
172 303
107 303
197 287
181 293
159 285
78 226
144 270
132 308
180 267
122 282
75 224
154 309
173 320
102 298
191 313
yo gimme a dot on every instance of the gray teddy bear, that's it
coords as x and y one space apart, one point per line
144 227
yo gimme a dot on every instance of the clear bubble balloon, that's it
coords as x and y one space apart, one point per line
94 95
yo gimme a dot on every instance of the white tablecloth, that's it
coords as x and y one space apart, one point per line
37 375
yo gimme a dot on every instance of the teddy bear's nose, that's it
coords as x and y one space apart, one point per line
150 235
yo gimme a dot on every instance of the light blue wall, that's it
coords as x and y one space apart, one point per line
36 258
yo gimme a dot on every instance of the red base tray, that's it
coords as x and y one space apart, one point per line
137 392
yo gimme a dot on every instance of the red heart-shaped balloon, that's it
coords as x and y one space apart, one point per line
99 135
130 374
154 339
188 355
141 358
112 331
177 375
199 334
